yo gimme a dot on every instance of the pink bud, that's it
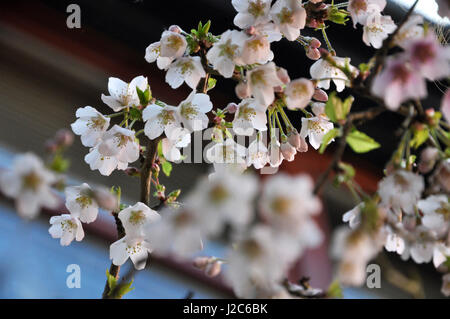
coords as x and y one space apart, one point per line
51 146
320 95
213 269
278 89
64 137
250 30
313 53
294 139
283 75
231 108
303 146
105 199
201 262
315 43
175 28
242 90
132 171
288 151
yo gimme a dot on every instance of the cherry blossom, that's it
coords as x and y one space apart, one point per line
224 197
81 202
227 152
179 138
287 202
135 219
429 57
400 191
261 81
299 93
377 28
317 126
251 12
361 9
90 125
172 45
258 155
353 216
67 228
135 249
29 183
256 49
226 51
270 31
192 111
124 94
250 115
289 16
411 30
436 212
185 69
159 119
324 72
153 53
275 155
177 232
398 82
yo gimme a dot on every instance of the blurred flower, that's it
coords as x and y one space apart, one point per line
411 30
81 203
361 9
299 93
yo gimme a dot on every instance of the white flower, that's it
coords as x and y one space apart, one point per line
153 53
81 203
177 232
377 28
398 82
91 125
224 52
258 155
178 138
411 30
394 242
172 45
124 94
256 50
287 202
224 197
269 30
160 119
361 9
66 227
323 72
250 115
275 155
299 93
353 216
436 212
260 261
192 111
136 218
228 152
400 191
251 12
117 148
29 183
441 254
289 16
316 127
261 81
186 69
135 249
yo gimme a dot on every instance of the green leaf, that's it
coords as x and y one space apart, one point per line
420 136
135 114
112 282
59 164
123 288
211 83
360 142
336 109
335 290
144 96
166 168
330 107
206 27
327 138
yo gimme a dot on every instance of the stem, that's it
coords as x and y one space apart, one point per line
325 37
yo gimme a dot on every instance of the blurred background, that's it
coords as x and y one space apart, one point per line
47 71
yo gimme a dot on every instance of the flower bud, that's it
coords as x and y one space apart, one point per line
288 151
275 156
303 146
242 90
294 139
105 199
278 89
132 171
231 108
320 95
175 28
250 30
64 138
313 53
315 43
213 269
201 262
283 75
428 158
51 146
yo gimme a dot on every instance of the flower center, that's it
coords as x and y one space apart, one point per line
68 226
31 181
131 250
246 112
285 16
359 5
218 194
96 123
256 8
401 73
315 126
137 217
423 52
257 77
175 42
84 201
122 140
228 49
166 117
280 205
186 67
251 248
188 111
